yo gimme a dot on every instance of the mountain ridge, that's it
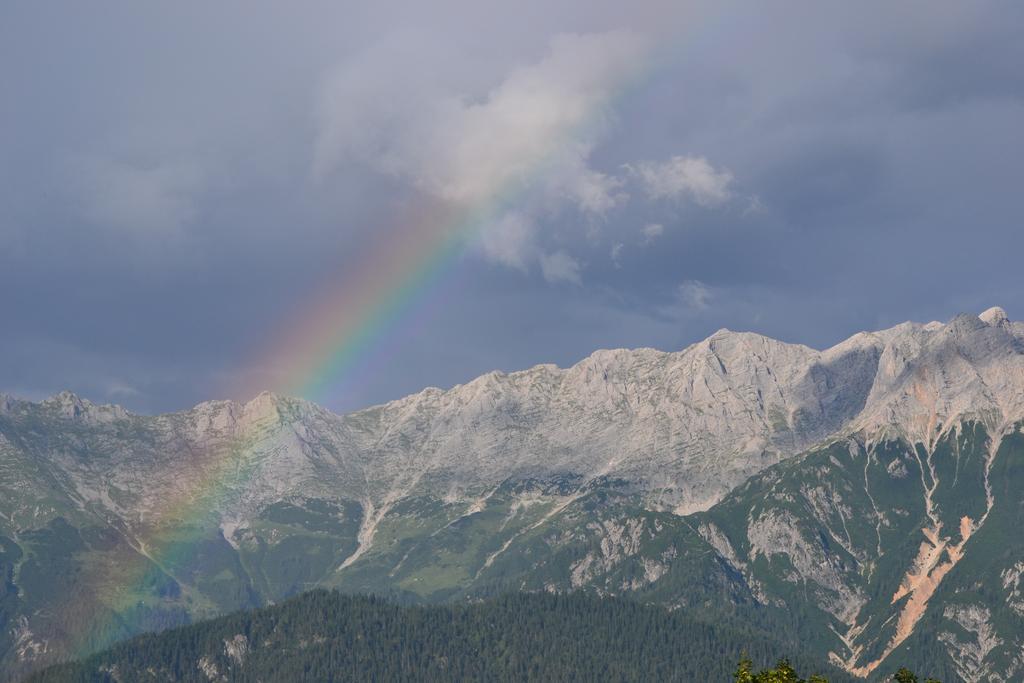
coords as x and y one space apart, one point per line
630 472
994 316
787 398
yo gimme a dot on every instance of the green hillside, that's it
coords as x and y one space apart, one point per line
327 636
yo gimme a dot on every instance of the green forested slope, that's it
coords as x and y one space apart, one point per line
327 636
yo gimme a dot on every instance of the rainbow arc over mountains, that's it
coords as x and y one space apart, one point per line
339 338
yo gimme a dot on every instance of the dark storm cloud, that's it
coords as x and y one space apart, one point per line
176 182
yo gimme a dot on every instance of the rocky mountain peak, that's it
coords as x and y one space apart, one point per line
264 405
964 324
994 316
931 375
67 401
69 405
691 423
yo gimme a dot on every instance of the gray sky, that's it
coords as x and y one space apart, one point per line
177 182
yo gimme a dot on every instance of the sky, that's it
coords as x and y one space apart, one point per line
183 185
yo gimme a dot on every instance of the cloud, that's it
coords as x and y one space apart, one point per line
616 253
683 177
509 241
119 389
560 267
593 192
651 232
541 119
755 207
529 136
695 294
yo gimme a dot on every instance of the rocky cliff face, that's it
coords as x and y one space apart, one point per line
624 473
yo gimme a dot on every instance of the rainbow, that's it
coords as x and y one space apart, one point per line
149 560
334 342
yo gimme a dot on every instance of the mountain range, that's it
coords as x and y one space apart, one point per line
864 500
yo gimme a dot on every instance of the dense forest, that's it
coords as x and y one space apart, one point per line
327 636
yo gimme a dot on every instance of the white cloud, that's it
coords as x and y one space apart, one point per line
651 232
683 178
530 136
616 253
593 192
755 207
560 267
121 390
543 118
695 294
509 241
137 197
